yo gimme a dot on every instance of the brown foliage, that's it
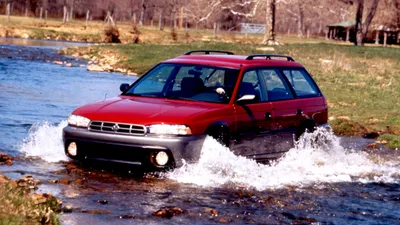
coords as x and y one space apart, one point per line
111 34
174 34
135 34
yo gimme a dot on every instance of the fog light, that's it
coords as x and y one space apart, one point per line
72 149
161 158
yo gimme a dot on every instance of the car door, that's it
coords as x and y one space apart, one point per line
253 118
310 101
285 112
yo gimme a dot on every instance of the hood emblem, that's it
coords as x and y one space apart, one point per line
115 127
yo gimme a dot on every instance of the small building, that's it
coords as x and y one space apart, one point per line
386 35
345 31
378 34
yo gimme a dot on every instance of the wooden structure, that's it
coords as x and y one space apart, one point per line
386 35
342 31
379 34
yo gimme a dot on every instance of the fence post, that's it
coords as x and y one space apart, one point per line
215 29
8 11
377 37
87 17
385 34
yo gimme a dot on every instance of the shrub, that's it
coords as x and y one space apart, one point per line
111 34
174 34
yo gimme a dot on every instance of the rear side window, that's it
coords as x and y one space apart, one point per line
277 89
301 82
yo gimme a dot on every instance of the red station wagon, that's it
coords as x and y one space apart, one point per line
257 105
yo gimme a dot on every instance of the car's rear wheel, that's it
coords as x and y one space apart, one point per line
307 125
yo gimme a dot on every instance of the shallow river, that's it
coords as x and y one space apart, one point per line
341 182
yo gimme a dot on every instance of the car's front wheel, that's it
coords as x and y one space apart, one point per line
219 133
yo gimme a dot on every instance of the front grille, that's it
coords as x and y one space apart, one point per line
117 128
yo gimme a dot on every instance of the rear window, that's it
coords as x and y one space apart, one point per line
301 82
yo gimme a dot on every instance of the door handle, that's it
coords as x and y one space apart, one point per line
299 112
268 116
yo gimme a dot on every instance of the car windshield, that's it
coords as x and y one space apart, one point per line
189 82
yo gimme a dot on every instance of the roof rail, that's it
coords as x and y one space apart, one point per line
268 56
207 52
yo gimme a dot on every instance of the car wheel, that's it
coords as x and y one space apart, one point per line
221 134
305 126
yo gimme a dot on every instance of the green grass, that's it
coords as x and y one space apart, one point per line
362 84
393 141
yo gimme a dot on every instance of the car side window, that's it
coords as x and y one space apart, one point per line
301 83
250 85
277 89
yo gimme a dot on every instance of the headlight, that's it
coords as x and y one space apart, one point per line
169 129
78 121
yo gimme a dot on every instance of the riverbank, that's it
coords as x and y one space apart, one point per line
20 206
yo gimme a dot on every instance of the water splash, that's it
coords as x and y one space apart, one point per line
45 141
316 158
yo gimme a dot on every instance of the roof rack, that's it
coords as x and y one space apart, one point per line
207 52
268 56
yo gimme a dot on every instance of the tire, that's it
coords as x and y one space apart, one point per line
307 125
219 133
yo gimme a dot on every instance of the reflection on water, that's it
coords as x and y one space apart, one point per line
312 184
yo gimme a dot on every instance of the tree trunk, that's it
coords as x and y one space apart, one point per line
359 14
27 7
362 28
160 26
180 24
71 14
41 14
300 19
141 20
65 14
269 34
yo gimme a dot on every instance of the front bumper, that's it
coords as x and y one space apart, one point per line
129 149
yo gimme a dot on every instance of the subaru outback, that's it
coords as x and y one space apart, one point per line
257 105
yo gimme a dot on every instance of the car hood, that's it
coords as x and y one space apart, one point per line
142 110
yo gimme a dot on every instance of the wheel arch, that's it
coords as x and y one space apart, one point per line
220 131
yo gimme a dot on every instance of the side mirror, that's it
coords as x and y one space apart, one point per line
124 87
246 98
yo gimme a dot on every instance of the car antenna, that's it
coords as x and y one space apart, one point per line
105 96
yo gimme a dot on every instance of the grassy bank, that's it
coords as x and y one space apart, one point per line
362 84
18 207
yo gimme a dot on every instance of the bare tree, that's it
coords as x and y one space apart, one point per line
269 34
143 6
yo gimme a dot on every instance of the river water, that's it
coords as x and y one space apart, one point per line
339 182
